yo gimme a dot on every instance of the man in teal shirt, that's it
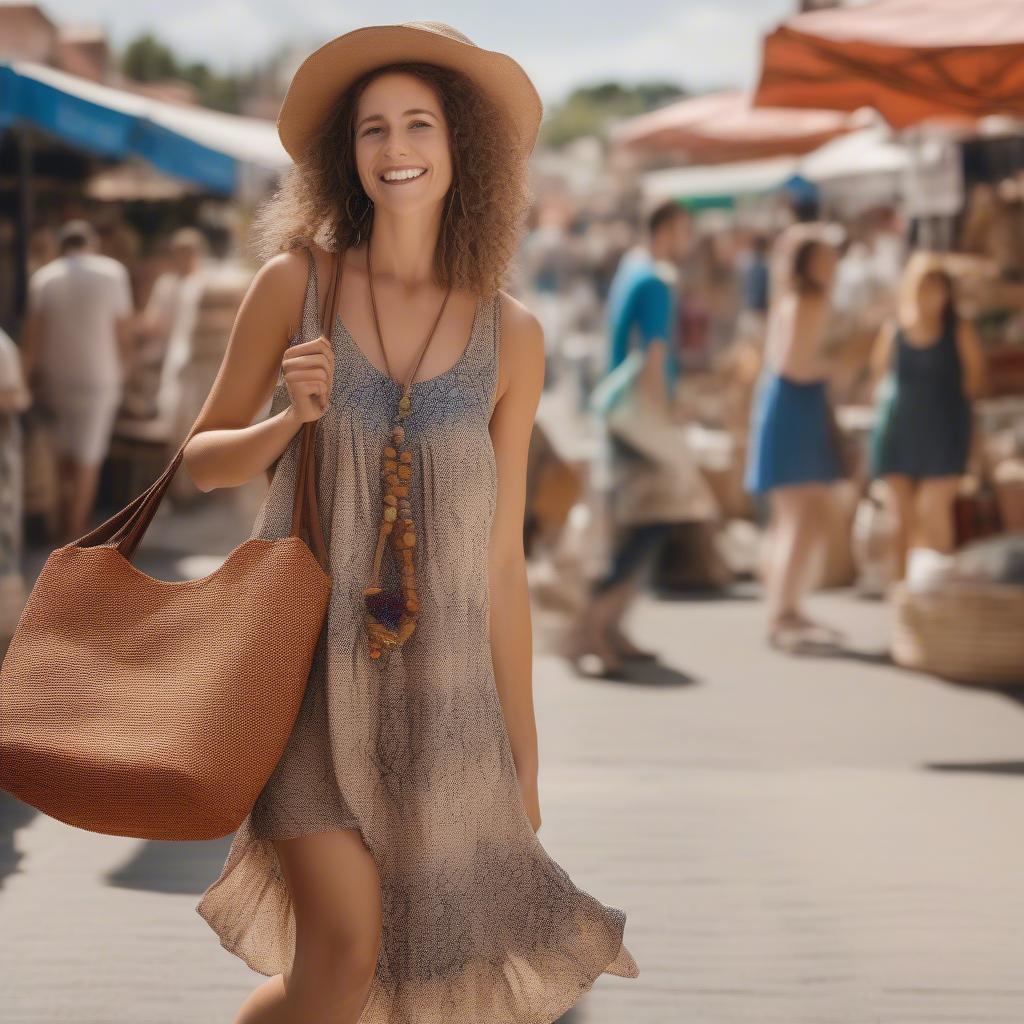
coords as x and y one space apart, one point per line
642 310
642 296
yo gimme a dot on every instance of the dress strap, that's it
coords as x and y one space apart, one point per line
486 332
489 341
312 304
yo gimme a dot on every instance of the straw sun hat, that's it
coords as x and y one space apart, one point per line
328 71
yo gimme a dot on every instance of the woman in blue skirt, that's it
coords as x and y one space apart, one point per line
794 455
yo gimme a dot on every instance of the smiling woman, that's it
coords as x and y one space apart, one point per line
390 871
322 198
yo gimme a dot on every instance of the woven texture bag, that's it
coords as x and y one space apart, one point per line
140 707
970 632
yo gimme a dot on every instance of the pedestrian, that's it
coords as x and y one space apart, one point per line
641 312
76 348
794 455
928 365
753 288
170 316
14 399
390 869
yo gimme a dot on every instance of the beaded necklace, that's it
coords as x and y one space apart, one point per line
391 616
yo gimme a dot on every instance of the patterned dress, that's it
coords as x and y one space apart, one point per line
480 925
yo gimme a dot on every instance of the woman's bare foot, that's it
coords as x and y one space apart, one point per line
794 631
625 648
593 655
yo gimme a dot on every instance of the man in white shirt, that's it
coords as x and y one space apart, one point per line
75 346
171 312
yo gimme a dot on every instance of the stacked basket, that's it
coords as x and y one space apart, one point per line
971 632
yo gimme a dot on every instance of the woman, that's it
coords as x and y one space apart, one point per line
390 870
794 455
930 365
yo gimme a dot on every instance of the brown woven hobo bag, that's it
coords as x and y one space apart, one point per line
134 706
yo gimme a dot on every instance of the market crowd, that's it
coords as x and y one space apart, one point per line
808 403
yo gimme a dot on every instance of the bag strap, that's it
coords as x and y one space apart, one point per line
126 528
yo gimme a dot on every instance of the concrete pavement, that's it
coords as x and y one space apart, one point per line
795 841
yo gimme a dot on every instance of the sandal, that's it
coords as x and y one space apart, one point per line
628 650
593 664
798 634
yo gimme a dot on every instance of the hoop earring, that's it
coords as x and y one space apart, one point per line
447 218
357 223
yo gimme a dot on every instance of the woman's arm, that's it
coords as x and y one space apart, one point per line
972 360
881 355
228 449
521 380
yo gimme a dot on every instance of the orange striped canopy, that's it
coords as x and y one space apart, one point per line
912 60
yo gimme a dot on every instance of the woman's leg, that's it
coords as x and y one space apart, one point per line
899 497
798 533
933 513
335 890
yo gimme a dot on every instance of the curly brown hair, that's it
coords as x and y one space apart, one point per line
321 199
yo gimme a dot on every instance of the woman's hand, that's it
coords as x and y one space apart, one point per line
308 373
531 800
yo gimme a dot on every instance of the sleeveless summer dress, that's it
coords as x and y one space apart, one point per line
924 423
480 925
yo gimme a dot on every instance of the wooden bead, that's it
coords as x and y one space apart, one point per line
390 514
410 538
390 465
405 457
404 472
390 499
390 452
387 527
401 490
398 433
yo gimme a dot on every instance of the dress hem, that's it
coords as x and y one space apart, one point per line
550 1013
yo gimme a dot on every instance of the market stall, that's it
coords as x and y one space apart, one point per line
724 127
909 60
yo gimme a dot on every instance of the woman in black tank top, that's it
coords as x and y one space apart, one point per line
930 365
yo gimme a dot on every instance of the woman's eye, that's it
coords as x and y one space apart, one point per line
414 124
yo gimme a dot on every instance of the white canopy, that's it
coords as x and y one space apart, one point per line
868 151
720 181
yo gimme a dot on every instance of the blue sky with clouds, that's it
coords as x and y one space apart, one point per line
561 43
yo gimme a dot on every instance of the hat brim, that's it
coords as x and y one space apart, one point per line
328 71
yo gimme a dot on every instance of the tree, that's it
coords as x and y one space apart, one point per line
589 109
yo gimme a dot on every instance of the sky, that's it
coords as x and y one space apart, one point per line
701 44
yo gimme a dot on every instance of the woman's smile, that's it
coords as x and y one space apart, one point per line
402 175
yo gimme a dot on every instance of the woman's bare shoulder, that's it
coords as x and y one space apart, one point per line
521 349
520 327
281 282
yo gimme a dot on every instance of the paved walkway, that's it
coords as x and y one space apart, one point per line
825 841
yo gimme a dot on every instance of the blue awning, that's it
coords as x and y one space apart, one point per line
199 145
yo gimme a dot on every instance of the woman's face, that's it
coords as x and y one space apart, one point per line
400 126
821 266
932 296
